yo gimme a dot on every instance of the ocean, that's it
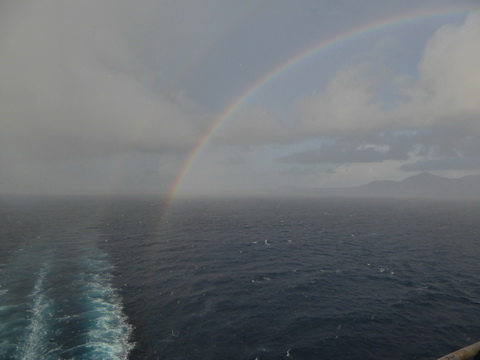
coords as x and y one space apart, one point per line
325 278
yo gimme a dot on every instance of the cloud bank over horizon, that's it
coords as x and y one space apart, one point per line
112 97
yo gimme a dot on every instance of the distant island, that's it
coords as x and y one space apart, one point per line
421 185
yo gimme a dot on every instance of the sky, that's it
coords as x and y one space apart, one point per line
220 97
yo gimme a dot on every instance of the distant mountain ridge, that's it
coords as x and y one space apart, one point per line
420 185
423 184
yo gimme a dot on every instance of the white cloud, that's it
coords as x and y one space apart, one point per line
445 93
348 105
449 78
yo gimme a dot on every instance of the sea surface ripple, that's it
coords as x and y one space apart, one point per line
238 278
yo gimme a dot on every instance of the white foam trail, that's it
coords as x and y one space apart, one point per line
109 334
13 320
37 331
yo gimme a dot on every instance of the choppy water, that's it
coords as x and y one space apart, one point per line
238 279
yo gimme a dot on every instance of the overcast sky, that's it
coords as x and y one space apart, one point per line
108 97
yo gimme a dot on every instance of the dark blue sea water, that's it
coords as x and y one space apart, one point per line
238 278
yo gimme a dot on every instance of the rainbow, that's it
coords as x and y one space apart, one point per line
292 62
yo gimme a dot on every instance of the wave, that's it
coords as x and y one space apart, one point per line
106 332
37 334
11 324
20 288
55 306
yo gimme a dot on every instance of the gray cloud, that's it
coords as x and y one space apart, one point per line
456 163
73 78
435 115
300 171
445 142
98 96
343 153
76 85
